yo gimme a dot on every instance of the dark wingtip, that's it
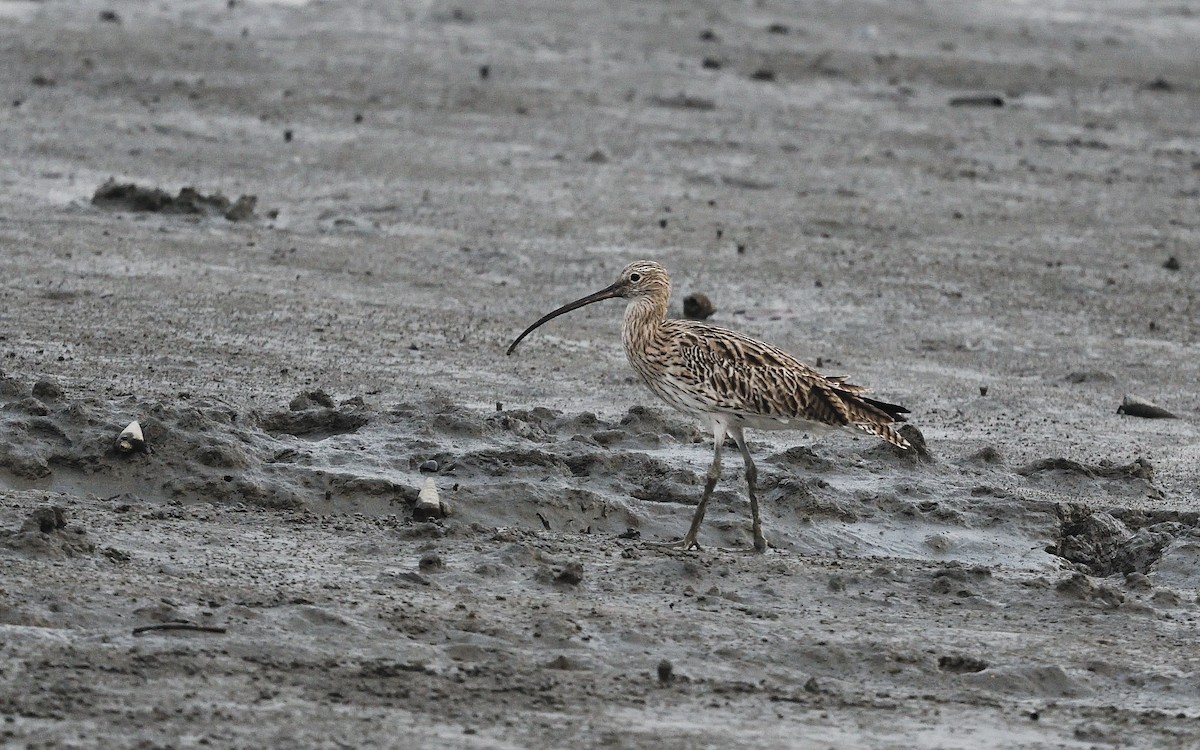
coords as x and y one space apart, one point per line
895 411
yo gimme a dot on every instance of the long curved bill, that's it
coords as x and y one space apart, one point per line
603 294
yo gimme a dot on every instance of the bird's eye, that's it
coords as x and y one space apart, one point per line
635 277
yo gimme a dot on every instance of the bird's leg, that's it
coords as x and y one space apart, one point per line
714 474
760 541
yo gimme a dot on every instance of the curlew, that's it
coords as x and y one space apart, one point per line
729 380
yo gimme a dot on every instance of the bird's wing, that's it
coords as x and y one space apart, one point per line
741 374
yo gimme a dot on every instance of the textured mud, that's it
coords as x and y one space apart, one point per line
987 212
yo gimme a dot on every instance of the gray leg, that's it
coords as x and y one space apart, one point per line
714 474
760 542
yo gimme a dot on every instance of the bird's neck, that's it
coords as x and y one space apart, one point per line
643 317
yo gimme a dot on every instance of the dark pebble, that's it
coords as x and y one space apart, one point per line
572 573
429 467
1172 264
986 100
666 671
697 307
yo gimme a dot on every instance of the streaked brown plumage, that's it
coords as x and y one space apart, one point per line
729 379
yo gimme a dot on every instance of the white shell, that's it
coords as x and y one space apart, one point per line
428 500
131 438
132 432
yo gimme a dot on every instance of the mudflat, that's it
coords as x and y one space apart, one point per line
293 241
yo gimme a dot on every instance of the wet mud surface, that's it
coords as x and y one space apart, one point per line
985 212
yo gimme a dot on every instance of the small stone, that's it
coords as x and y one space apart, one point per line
983 100
698 307
46 519
571 574
597 157
430 561
47 390
429 503
666 671
1138 582
1135 406
242 208
1172 264
763 74
428 467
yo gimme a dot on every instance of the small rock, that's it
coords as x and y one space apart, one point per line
428 467
571 574
763 74
985 100
1138 582
430 561
596 157
109 16
242 208
1172 264
666 671
959 664
1135 406
429 503
47 390
46 519
698 307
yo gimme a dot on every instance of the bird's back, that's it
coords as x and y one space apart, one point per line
703 369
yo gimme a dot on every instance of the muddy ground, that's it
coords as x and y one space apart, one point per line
985 211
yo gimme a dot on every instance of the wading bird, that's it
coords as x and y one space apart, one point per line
729 380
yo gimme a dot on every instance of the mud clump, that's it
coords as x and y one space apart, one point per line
45 533
1139 468
127 196
1081 587
313 413
1101 544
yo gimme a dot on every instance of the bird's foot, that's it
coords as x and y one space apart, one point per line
686 544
